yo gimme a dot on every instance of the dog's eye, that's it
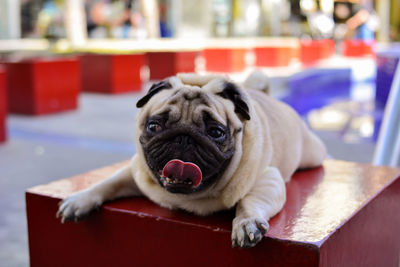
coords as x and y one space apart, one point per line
154 127
216 132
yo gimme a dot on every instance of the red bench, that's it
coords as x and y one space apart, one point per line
169 63
341 214
3 104
43 85
112 74
358 48
225 59
311 51
274 56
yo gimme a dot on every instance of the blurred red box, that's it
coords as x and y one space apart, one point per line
273 56
225 59
341 214
112 74
166 64
43 85
311 51
328 47
358 48
3 104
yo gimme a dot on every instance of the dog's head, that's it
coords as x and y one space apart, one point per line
188 130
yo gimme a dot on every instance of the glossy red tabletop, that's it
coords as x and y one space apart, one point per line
318 200
340 214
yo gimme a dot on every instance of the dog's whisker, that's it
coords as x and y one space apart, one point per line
207 154
160 151
162 156
154 146
207 158
202 162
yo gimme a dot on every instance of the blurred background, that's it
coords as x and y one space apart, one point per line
138 19
71 72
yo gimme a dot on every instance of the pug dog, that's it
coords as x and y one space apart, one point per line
206 144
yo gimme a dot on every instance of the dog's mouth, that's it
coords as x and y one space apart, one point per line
178 175
185 161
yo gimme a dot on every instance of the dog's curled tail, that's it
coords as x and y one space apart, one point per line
257 80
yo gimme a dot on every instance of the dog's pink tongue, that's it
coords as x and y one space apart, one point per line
180 170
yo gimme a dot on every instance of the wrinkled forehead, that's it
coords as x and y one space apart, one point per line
190 98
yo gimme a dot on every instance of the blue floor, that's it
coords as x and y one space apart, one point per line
318 89
72 141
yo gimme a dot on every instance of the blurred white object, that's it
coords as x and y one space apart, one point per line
387 150
75 22
10 19
321 24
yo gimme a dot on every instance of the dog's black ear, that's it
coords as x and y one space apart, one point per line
232 93
154 89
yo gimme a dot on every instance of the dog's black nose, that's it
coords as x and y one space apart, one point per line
184 140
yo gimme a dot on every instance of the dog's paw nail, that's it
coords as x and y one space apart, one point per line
251 236
264 226
247 232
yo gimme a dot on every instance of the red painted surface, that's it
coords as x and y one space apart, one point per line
95 73
112 74
165 64
311 51
185 61
43 86
328 48
161 64
225 59
3 105
341 214
273 56
358 48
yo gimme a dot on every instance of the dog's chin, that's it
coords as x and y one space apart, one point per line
180 188
185 187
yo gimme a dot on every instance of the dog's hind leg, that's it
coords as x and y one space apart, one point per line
314 151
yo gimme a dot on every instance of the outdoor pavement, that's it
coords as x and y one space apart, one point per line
101 132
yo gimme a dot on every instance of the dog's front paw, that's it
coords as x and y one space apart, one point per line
247 232
78 205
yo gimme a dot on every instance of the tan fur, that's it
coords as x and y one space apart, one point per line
268 149
282 140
